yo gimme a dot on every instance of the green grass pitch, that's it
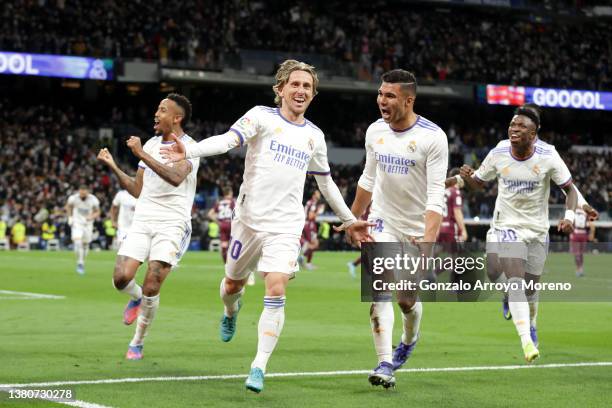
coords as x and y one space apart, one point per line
81 337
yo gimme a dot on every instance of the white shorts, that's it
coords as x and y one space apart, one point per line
81 232
157 241
522 244
258 251
384 232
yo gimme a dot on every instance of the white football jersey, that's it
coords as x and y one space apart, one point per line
81 209
279 155
523 185
127 205
160 200
539 142
405 171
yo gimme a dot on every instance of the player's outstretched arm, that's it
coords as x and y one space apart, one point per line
211 146
132 184
171 173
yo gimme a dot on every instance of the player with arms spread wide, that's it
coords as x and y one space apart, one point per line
403 178
161 228
520 222
283 147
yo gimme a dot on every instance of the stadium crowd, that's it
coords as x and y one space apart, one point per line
369 38
47 152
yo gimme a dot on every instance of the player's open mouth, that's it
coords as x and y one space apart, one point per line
156 124
514 137
385 112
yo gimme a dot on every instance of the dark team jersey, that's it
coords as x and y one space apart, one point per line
310 231
452 200
311 206
224 209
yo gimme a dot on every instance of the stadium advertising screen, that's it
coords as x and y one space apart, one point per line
551 97
14 63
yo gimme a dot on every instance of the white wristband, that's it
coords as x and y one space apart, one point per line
570 215
460 182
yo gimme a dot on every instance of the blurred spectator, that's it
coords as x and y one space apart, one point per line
365 37
18 233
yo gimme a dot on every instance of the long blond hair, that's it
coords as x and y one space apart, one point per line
282 76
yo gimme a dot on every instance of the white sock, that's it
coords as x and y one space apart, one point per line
132 289
519 309
230 302
85 251
412 323
78 250
381 322
148 307
533 301
269 329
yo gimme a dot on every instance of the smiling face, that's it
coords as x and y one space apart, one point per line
521 131
297 93
167 117
393 102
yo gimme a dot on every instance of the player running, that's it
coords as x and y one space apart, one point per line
494 270
584 231
403 178
82 208
161 228
222 213
520 222
310 239
283 147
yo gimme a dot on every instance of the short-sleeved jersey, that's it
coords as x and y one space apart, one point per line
523 185
127 205
279 155
405 171
81 209
224 209
160 200
452 200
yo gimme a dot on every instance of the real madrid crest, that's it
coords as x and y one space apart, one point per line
311 144
536 170
412 146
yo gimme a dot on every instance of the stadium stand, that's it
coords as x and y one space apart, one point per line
359 40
